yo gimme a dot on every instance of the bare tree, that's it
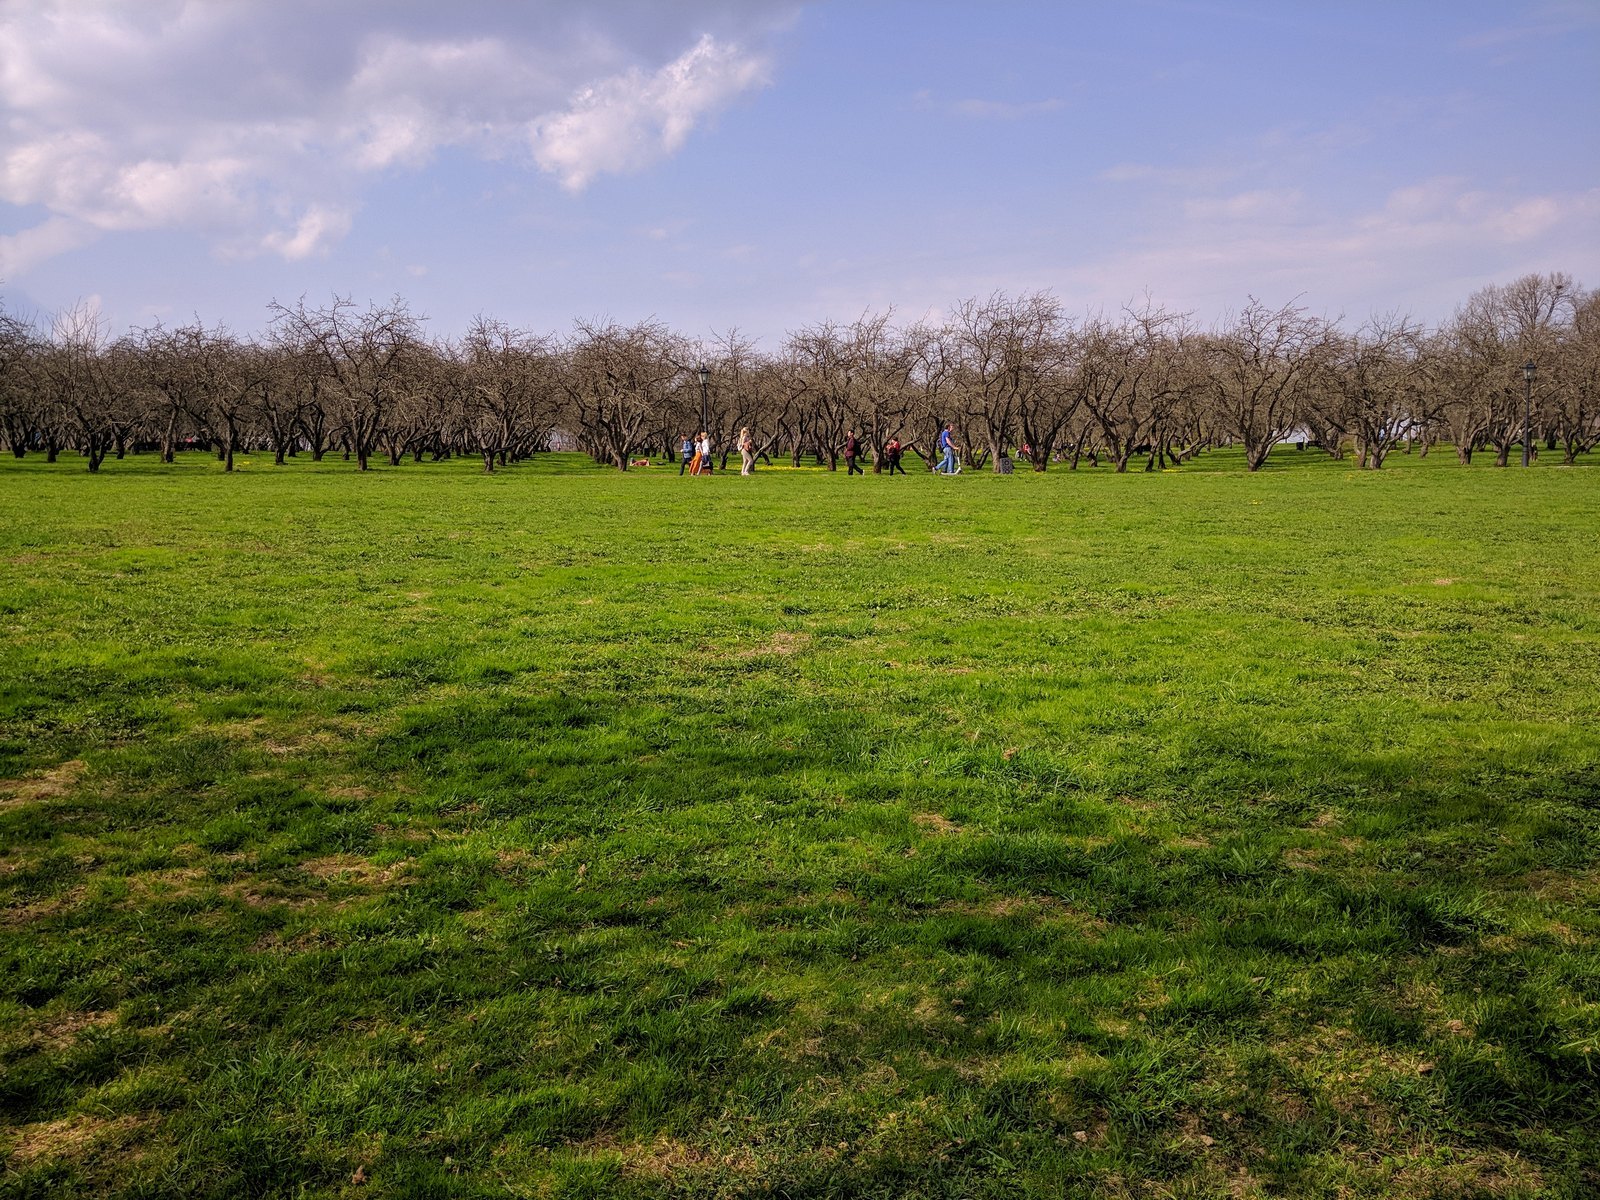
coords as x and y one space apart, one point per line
1377 376
508 395
1006 356
89 385
363 357
1575 393
19 353
733 399
1133 376
181 368
1258 364
893 370
617 381
823 364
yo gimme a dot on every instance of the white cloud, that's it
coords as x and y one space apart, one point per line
319 226
1408 250
1258 205
631 120
258 126
57 235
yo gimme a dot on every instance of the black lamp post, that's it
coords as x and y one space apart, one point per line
705 380
1527 412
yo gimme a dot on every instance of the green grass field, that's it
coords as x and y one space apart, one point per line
562 833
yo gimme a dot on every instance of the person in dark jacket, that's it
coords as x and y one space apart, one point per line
852 453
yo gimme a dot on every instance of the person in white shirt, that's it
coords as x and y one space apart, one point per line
705 453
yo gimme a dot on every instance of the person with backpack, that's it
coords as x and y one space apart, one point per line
947 450
891 453
852 451
685 453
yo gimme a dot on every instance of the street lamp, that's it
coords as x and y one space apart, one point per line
1527 412
705 380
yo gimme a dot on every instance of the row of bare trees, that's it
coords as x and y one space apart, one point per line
1015 375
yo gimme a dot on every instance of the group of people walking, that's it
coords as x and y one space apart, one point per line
949 454
695 456
696 459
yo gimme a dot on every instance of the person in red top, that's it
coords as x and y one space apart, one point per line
852 452
891 454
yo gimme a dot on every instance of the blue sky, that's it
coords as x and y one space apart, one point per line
768 165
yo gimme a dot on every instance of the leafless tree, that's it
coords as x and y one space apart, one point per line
733 397
19 355
1133 377
616 382
823 366
90 384
1006 358
181 369
1375 379
1575 393
894 378
363 358
1258 364
509 391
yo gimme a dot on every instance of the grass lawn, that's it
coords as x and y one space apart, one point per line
563 833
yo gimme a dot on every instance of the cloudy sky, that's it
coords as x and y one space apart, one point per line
762 165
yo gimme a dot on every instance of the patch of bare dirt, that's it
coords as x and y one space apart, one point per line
935 823
1563 887
1485 1173
46 785
302 941
167 883
19 915
1137 803
73 1138
59 1030
783 643
1038 908
353 869
669 1158
257 895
